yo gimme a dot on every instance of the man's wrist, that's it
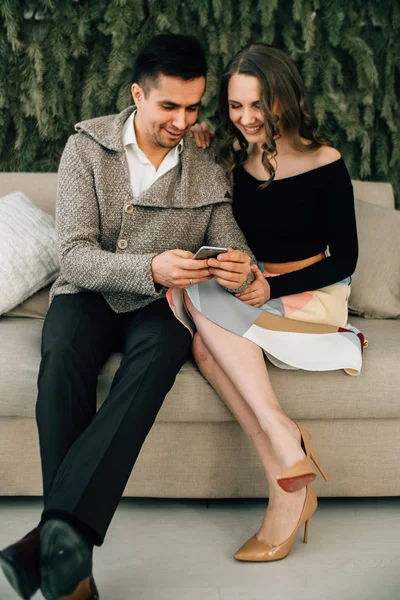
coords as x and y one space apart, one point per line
153 271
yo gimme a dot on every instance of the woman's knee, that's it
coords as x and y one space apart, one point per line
202 356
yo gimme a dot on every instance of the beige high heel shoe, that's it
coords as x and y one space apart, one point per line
255 551
302 473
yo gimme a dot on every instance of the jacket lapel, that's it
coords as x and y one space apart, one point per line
197 181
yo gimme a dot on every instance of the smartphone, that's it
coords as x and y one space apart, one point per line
208 252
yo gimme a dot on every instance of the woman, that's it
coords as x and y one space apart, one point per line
293 199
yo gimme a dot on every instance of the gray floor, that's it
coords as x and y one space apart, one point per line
182 550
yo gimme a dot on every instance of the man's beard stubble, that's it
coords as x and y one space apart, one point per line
157 139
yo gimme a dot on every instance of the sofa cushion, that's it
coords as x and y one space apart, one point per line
28 250
303 395
377 193
35 307
40 187
375 289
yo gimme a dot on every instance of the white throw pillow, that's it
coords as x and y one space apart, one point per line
28 250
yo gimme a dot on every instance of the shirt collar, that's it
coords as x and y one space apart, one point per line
129 137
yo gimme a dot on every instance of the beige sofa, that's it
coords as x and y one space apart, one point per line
196 449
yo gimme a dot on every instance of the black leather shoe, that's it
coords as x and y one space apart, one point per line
20 564
85 590
65 564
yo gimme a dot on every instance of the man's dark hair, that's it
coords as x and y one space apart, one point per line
169 54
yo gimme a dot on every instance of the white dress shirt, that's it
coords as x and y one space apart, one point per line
142 172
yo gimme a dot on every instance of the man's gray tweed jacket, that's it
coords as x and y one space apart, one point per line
108 237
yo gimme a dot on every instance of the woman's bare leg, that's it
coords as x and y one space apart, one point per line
284 509
243 363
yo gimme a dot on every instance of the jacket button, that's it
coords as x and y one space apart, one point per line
129 208
122 244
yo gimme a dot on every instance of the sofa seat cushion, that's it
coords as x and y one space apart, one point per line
303 395
34 307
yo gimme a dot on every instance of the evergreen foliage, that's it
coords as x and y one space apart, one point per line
63 61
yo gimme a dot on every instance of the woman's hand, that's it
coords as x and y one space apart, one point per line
258 292
202 135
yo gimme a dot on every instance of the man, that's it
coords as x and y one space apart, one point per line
136 199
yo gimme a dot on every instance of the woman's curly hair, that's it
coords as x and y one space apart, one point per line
279 80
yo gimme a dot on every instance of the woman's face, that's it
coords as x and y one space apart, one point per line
244 107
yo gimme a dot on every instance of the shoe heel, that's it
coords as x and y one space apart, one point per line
320 469
305 539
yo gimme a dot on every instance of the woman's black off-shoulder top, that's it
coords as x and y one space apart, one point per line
298 217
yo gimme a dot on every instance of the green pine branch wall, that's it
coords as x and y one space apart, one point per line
63 61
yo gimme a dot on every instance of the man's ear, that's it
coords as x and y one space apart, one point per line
137 94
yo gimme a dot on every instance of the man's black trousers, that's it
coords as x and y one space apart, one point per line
87 457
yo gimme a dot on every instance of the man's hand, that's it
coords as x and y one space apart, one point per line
258 292
230 269
176 269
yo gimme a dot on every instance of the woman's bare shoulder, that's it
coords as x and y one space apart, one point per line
326 155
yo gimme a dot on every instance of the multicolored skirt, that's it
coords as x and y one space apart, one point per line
302 331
